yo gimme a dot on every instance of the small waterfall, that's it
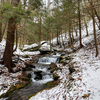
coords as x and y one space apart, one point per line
49 59
41 75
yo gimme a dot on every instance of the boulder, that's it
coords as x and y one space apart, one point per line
43 42
38 75
33 47
45 48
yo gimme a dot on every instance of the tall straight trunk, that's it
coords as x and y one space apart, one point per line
86 27
57 37
69 32
40 32
7 57
93 17
97 16
1 27
62 40
75 30
72 40
65 33
20 42
0 31
50 37
79 16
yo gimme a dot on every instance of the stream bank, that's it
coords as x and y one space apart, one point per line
42 77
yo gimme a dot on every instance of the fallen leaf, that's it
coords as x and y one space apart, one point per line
85 96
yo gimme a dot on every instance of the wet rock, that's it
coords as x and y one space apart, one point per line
43 42
45 49
29 75
38 75
26 56
55 77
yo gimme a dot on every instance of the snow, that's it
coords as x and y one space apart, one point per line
30 46
87 74
45 47
90 72
7 79
19 52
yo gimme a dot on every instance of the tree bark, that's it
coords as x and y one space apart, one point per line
86 27
69 32
7 57
57 37
0 28
0 31
39 31
93 17
79 16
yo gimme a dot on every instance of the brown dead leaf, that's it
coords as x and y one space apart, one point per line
79 78
85 96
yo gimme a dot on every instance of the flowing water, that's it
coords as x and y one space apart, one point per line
49 59
40 75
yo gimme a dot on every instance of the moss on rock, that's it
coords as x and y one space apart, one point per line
24 81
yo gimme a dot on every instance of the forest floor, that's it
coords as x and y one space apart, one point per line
82 84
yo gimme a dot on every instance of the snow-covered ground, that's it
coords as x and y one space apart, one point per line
86 77
8 79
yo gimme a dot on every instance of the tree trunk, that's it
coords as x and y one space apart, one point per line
79 16
69 32
40 32
72 41
86 27
0 28
0 31
75 29
57 37
16 41
65 33
93 17
50 38
7 57
97 16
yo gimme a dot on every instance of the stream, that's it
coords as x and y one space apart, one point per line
40 75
